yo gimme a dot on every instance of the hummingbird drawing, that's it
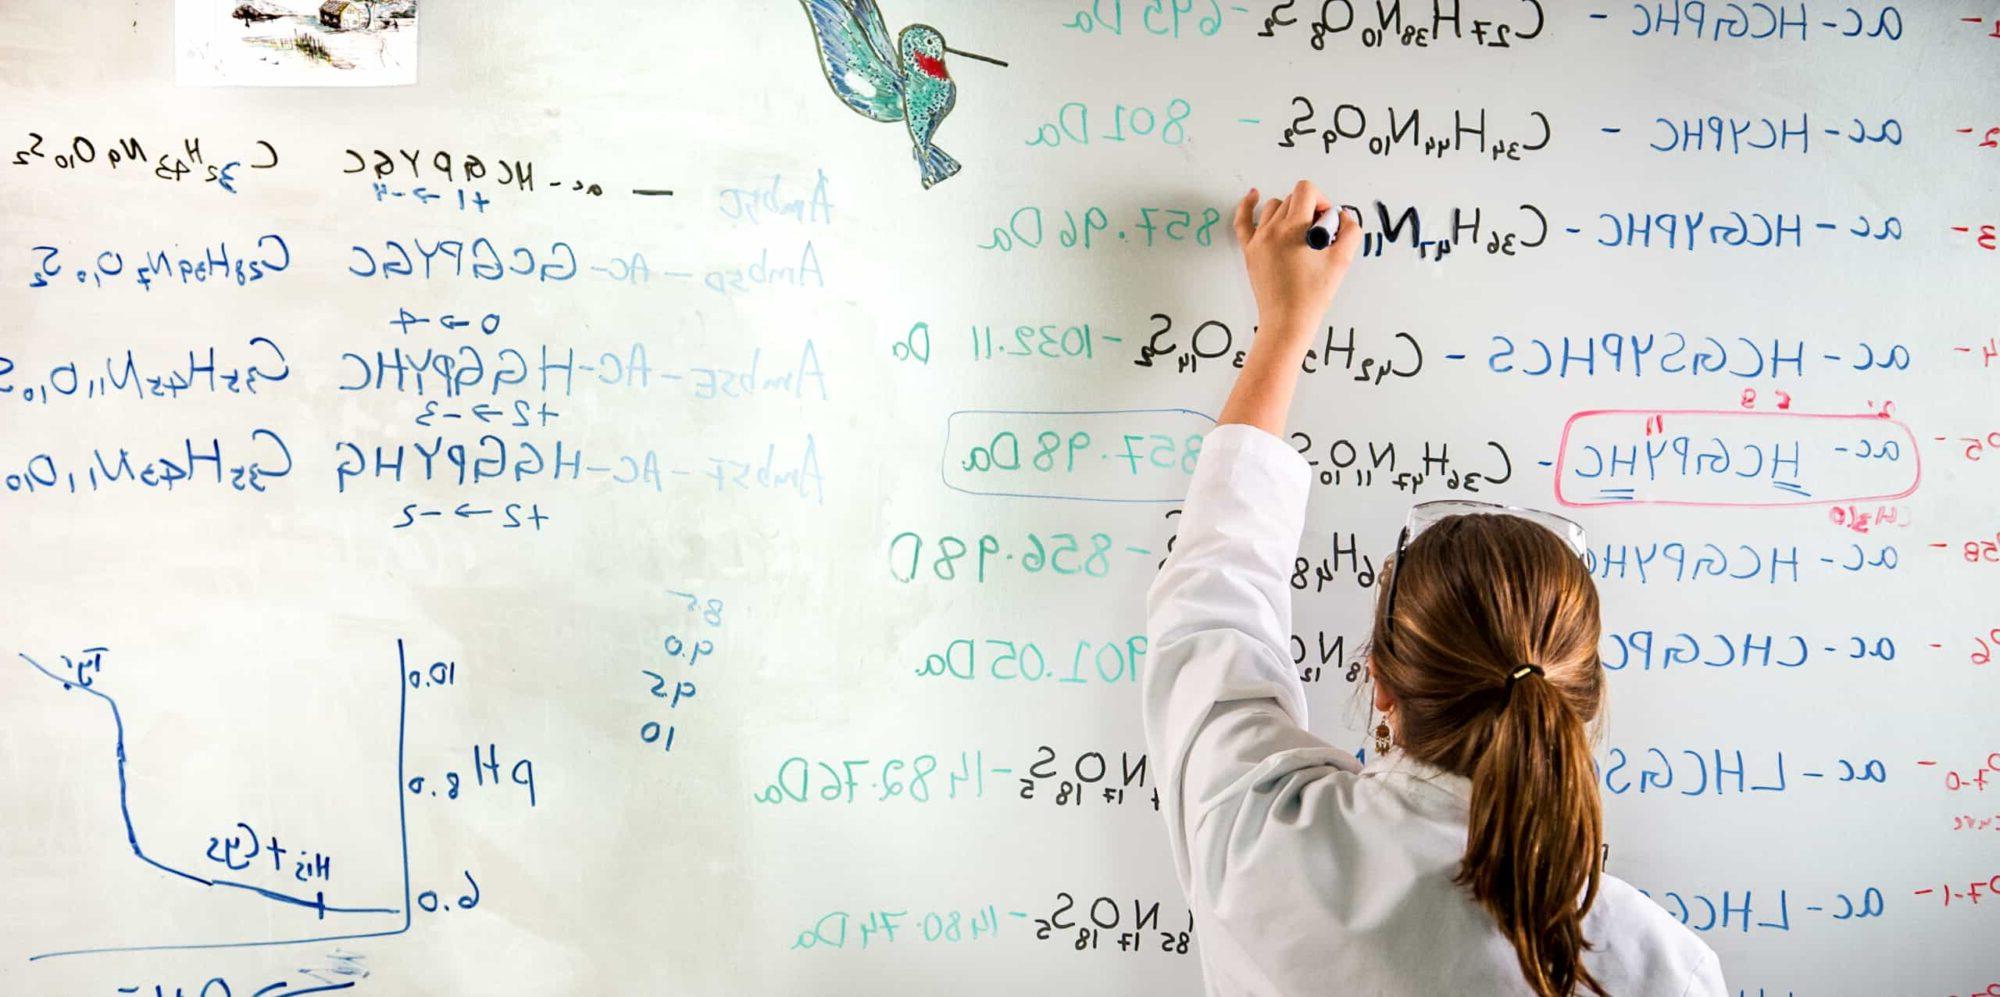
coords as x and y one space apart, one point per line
905 82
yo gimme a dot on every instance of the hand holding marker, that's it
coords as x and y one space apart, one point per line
1292 280
1294 284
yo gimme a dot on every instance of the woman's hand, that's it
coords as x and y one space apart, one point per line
1294 283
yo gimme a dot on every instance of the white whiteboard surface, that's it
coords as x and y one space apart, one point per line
192 669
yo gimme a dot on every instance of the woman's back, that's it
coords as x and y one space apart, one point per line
1347 888
1469 864
1306 872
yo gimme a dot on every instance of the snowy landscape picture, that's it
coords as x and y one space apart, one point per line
295 42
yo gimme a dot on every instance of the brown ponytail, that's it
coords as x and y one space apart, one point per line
1477 598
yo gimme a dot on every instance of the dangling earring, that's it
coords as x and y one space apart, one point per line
1382 735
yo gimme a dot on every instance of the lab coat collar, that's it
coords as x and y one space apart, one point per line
1395 762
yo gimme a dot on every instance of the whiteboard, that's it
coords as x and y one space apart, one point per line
683 554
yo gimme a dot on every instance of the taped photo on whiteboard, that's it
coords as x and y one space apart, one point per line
295 42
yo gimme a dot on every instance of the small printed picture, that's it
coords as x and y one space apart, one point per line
313 43
901 80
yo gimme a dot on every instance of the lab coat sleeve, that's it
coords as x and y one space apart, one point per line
1706 980
1220 692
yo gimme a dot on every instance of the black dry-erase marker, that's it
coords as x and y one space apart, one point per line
1319 236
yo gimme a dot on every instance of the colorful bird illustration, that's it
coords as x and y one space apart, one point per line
906 83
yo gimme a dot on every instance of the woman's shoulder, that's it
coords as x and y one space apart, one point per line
1635 938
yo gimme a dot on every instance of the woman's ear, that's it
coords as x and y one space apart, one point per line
1383 701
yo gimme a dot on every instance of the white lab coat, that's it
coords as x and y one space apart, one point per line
1307 872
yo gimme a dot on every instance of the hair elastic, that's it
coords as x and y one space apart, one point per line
1522 672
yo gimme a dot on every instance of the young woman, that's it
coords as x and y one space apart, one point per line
1464 857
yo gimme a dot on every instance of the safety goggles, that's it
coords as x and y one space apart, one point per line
1424 515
